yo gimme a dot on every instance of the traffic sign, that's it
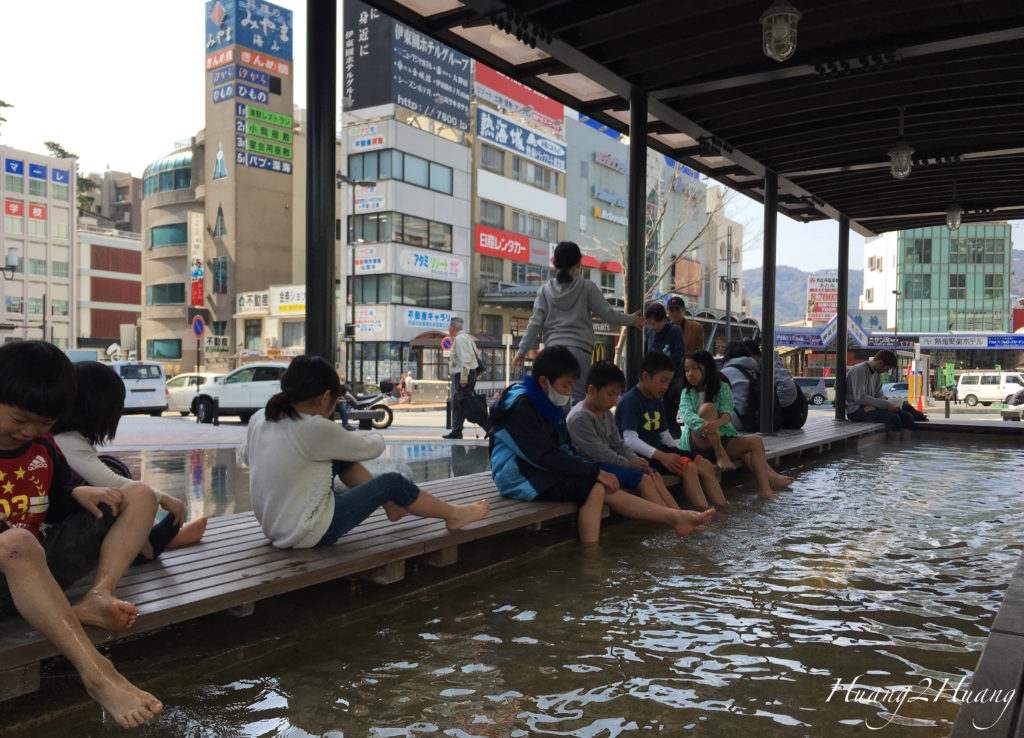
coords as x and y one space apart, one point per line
446 343
198 326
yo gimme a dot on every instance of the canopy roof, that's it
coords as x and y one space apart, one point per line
824 120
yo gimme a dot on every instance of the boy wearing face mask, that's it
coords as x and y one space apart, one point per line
532 457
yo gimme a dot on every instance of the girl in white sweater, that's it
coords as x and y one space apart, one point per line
293 450
92 420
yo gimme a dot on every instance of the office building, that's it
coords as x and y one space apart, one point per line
108 285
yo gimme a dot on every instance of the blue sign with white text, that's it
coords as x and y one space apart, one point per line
223 74
256 161
37 171
14 166
506 133
60 175
259 26
252 76
224 92
1007 341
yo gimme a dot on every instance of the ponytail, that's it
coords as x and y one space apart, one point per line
566 256
563 276
306 377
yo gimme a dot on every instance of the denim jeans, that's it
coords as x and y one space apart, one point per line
355 505
895 420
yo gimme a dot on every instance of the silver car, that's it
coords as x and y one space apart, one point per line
813 389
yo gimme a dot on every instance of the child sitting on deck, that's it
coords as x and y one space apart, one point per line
706 411
593 433
640 417
294 450
52 534
92 419
532 459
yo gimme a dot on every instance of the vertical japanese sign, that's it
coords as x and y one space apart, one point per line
196 239
261 26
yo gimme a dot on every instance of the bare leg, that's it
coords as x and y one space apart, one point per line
683 521
708 411
588 519
758 462
709 482
40 601
190 533
454 516
122 544
666 497
691 488
778 481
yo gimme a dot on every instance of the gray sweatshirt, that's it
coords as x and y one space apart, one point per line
562 315
864 387
597 438
740 385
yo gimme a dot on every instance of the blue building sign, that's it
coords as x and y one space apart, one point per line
14 166
223 74
257 25
496 129
1007 341
37 171
59 175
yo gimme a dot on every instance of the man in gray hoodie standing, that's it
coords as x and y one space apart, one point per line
564 314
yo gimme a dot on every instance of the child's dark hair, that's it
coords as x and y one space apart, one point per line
36 376
555 362
98 403
305 378
654 362
735 349
567 255
712 377
604 373
656 312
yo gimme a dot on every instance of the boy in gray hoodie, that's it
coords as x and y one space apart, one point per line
563 314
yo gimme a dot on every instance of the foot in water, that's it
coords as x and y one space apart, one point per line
688 520
779 481
104 611
468 513
126 703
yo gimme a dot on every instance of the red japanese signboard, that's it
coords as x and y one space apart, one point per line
503 244
13 207
37 212
545 111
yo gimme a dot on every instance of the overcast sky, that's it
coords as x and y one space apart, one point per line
120 81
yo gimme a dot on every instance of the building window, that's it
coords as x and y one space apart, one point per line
58 307
491 324
957 251
14 225
163 348
219 229
219 327
608 281
396 289
492 159
37 227
534 225
14 183
59 268
534 175
174 234
254 334
530 274
166 294
60 342
59 222
917 287
293 334
919 251
394 164
492 268
400 228
220 275
957 286
492 214
993 286
35 306
37 187
869 295
14 304
37 267
59 191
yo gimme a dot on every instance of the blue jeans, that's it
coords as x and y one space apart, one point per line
895 420
355 505
629 478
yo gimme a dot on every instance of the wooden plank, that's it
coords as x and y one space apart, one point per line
1001 668
1010 618
19 681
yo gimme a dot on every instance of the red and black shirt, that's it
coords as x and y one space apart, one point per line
35 484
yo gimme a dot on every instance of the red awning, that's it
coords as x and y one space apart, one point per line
590 261
611 266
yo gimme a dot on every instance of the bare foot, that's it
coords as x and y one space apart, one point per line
779 481
724 463
104 611
126 703
394 512
767 495
190 533
468 513
687 520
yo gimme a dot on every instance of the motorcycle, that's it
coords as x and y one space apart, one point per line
372 401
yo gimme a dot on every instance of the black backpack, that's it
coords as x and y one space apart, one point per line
750 420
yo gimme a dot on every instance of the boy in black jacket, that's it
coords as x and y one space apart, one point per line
532 459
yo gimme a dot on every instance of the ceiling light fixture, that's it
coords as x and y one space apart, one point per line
954 213
900 156
778 25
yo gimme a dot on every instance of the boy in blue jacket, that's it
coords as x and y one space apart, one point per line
532 458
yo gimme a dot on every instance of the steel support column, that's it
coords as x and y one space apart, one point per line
771 205
842 300
321 112
636 230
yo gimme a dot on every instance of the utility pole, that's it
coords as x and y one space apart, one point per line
728 283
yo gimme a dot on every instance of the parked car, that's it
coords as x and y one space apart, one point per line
241 392
988 387
183 389
898 392
145 386
830 389
813 389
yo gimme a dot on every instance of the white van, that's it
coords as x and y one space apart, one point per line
988 387
145 386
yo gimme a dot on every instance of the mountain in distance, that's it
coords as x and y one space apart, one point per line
791 291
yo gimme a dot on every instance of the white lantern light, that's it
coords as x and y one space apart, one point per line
778 25
954 213
900 161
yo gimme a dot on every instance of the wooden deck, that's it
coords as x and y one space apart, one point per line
235 565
